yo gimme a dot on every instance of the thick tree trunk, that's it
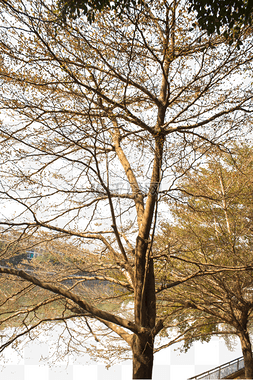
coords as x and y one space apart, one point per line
142 356
247 354
144 279
145 316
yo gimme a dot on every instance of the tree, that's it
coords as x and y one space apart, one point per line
89 8
94 118
213 226
224 16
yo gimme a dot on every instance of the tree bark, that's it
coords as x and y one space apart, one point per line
142 348
247 354
144 281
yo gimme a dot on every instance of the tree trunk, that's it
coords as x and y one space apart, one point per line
247 354
144 279
145 316
142 356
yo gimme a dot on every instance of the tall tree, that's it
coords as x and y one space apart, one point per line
213 226
94 118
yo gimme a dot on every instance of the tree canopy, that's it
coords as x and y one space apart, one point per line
213 227
97 122
223 16
89 8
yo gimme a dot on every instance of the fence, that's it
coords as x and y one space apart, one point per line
222 371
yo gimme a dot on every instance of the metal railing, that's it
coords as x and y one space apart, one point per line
222 371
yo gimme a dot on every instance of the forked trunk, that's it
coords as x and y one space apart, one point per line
142 356
247 355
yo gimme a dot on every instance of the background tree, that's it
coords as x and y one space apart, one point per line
223 16
89 8
213 226
94 118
